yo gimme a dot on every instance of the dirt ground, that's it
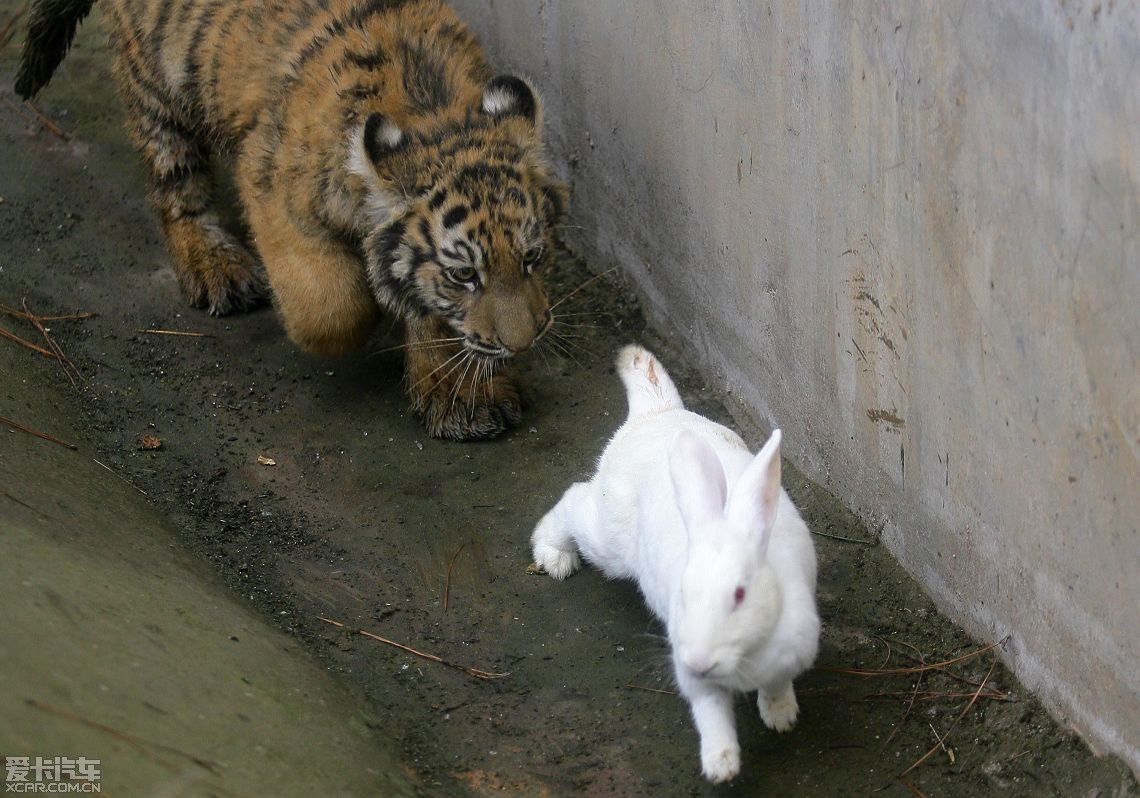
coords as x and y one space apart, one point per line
363 518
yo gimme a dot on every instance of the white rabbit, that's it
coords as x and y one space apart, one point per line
716 546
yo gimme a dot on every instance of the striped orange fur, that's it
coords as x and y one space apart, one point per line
379 165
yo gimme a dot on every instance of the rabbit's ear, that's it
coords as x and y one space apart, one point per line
756 495
698 479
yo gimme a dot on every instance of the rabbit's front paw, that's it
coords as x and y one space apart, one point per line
778 711
720 766
559 563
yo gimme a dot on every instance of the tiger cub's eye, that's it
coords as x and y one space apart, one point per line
462 274
532 257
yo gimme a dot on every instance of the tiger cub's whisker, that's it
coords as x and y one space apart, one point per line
428 376
593 279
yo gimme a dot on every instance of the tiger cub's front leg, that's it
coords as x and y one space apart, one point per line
460 394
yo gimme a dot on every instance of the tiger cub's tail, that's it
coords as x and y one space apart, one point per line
51 29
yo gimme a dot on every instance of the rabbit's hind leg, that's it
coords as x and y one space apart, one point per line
555 552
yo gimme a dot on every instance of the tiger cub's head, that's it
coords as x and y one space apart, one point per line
469 212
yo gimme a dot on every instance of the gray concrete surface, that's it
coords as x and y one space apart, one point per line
118 646
907 234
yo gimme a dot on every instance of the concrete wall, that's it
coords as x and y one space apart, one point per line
906 233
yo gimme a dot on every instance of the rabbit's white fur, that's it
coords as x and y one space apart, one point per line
679 504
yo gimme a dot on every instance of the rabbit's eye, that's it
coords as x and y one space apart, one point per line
738 596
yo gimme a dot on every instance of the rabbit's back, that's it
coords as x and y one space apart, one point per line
640 533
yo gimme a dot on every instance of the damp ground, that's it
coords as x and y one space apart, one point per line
364 520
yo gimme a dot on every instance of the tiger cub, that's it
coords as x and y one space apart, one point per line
378 162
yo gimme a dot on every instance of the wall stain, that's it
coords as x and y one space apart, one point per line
887 416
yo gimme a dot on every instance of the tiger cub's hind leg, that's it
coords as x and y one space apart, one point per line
214 269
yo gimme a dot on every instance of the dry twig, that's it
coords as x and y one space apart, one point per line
21 314
936 666
476 672
447 579
69 369
124 479
946 671
910 785
24 342
134 740
37 433
47 123
936 695
845 540
890 651
651 689
10 28
962 714
948 751
914 694
909 707
176 332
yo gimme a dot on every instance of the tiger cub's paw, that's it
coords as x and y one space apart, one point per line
224 278
468 409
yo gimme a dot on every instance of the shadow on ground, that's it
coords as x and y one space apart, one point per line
366 521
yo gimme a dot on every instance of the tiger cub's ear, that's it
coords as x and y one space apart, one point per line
371 147
381 137
508 95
